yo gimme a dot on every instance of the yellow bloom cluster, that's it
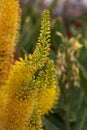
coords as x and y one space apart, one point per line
47 96
20 96
49 90
9 26
23 89
42 49
31 82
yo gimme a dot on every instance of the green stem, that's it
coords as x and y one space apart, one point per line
67 100
83 120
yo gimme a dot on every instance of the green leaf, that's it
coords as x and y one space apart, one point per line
49 125
55 120
58 26
83 79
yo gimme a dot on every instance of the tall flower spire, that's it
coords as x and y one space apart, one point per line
9 26
20 89
49 89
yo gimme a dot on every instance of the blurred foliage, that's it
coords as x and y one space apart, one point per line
70 114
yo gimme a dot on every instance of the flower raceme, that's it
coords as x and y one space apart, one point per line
47 96
49 90
9 26
20 94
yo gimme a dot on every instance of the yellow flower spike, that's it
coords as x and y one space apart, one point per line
20 86
9 26
48 99
49 91
21 96
18 113
41 52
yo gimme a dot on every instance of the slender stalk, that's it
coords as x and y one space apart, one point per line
66 100
83 120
